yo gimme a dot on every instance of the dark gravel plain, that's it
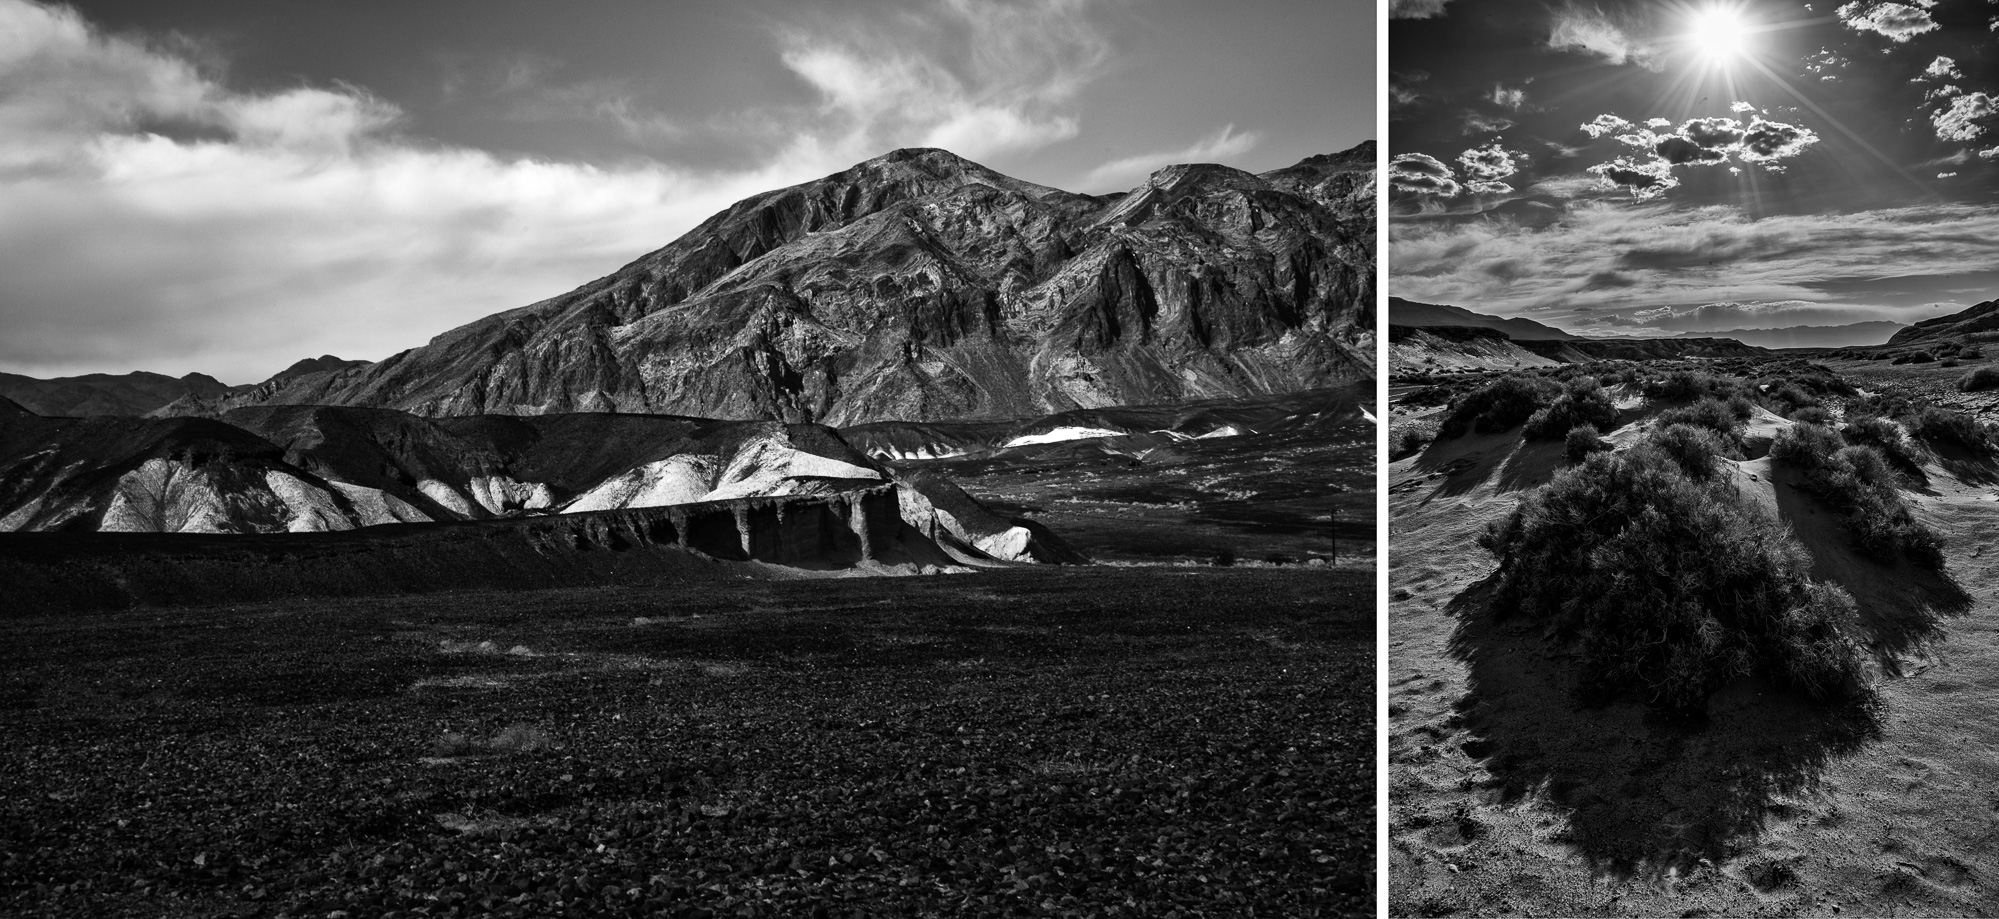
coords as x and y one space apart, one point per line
1140 741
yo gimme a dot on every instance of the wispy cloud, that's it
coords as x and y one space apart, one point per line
1118 175
1415 9
152 214
1599 253
1591 31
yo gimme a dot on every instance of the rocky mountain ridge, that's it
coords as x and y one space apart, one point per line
922 286
1976 323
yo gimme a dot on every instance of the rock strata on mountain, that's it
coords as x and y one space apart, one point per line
323 468
921 286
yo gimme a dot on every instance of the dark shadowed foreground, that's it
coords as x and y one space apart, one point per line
1076 741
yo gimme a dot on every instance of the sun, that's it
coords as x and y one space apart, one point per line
1719 33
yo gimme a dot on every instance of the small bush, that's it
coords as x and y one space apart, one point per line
1811 414
1582 441
1407 442
1723 418
1858 482
1668 589
1981 379
1788 398
1696 450
1921 357
1885 436
1583 401
1500 405
1806 446
1688 385
1943 425
1947 362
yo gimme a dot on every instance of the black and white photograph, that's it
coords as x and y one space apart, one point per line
693 459
1692 332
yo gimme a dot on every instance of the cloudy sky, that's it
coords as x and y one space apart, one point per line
227 186
1654 168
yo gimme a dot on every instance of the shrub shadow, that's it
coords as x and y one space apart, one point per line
1901 605
1967 466
1644 793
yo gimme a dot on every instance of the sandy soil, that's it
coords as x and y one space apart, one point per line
1508 797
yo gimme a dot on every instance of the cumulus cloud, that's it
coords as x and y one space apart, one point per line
1118 175
1508 97
1942 68
1696 142
1590 31
1739 107
1486 166
1825 65
1960 120
1599 251
152 215
1645 179
1899 22
1415 9
1766 142
1421 175
1605 124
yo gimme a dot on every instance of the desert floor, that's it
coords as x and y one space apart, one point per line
1508 797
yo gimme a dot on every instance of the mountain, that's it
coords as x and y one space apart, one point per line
1426 315
922 286
106 394
1850 335
1979 323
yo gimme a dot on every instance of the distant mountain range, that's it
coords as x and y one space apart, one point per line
1409 314
1850 335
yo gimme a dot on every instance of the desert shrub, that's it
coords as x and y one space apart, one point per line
1688 385
1921 357
1970 353
1886 405
1667 588
1428 396
1947 362
1856 481
1696 450
1811 414
1787 398
1941 425
1723 418
1980 379
1581 441
1407 442
1806 446
1583 401
1498 406
1885 436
